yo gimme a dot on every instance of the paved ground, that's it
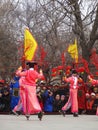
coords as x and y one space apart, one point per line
49 122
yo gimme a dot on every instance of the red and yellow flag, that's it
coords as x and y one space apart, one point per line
73 50
30 45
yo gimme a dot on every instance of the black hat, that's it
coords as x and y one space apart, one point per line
74 71
31 64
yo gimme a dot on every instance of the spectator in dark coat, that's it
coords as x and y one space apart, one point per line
56 103
63 101
4 97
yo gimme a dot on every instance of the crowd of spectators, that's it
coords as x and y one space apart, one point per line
4 97
51 98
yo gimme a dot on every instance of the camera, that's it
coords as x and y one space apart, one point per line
49 92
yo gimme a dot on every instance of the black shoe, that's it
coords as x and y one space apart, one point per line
19 112
75 114
40 115
62 112
27 116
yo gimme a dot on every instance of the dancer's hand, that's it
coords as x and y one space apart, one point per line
64 78
0 95
80 79
40 71
89 77
20 68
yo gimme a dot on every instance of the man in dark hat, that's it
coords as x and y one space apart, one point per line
72 101
28 86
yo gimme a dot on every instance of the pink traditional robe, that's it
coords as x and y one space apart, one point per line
28 91
73 100
97 111
18 107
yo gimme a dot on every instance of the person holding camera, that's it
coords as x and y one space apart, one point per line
48 100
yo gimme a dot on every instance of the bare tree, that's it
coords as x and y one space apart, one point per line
83 20
54 24
8 48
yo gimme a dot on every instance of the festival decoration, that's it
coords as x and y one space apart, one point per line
96 73
60 67
54 69
63 58
94 58
53 75
85 64
43 54
68 69
80 69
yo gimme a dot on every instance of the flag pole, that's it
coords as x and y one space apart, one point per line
23 56
23 62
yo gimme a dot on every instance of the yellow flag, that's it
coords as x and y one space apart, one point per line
30 45
73 50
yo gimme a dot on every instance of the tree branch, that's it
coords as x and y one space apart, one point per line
94 30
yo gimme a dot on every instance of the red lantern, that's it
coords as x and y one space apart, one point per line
81 69
96 73
67 72
92 76
53 75
54 70
68 67
60 67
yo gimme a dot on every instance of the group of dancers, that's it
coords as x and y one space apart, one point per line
28 98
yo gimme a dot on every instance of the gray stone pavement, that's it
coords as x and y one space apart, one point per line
49 122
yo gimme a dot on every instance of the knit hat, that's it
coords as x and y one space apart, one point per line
92 94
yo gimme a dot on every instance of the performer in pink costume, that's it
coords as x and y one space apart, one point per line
18 107
94 82
28 90
73 100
